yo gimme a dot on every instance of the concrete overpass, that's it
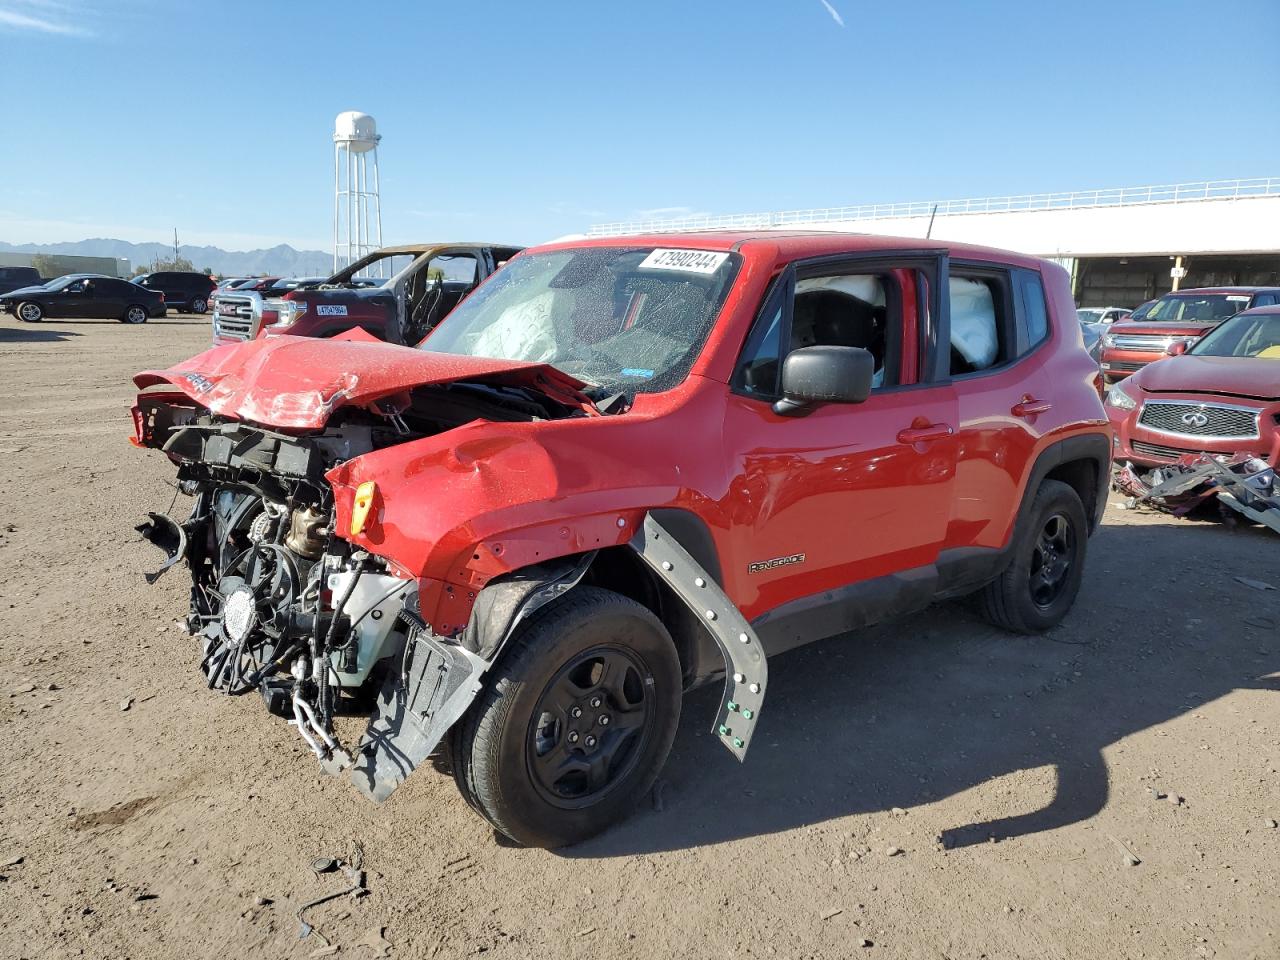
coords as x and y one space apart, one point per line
1122 245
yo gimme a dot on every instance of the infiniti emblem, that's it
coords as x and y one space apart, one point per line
1196 418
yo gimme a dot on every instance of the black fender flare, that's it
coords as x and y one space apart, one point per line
1088 446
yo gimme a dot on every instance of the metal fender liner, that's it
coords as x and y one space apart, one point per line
747 671
437 678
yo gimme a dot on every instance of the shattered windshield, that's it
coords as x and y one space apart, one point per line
627 320
1248 335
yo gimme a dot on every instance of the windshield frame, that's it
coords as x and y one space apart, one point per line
719 294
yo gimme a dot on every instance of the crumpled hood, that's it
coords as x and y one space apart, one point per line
1243 376
297 382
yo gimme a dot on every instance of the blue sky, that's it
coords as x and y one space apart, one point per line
521 120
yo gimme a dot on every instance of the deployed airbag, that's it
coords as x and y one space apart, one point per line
973 322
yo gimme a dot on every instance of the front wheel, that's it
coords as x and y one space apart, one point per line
30 312
199 305
576 722
134 314
1042 580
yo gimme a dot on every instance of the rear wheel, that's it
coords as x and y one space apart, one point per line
576 722
1042 580
134 314
30 312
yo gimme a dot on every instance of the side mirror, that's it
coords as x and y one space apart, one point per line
1177 348
824 374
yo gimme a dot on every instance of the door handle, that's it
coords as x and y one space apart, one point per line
1030 406
933 431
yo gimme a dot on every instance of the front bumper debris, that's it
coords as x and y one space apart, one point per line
1245 485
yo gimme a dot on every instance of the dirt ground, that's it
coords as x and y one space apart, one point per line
1018 779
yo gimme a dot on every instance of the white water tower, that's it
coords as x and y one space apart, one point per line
357 208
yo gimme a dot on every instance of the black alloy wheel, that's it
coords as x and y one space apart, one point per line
590 727
578 715
1051 561
1040 584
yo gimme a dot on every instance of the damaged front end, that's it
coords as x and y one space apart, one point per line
284 603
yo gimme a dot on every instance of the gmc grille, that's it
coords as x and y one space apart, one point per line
233 317
1143 343
1188 419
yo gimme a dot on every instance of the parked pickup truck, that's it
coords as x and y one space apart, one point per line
1182 317
396 294
621 468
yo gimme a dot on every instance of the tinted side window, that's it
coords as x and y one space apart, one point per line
1265 300
1034 311
758 367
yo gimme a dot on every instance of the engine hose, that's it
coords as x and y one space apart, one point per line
324 696
276 664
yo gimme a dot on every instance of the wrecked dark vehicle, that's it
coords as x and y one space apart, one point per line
620 469
397 294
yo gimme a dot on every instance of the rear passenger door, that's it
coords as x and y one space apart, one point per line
111 298
998 325
846 494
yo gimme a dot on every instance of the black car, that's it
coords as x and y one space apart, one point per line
15 278
183 290
85 295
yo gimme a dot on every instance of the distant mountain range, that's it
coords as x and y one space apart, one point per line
282 260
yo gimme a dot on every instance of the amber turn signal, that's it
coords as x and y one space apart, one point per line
361 506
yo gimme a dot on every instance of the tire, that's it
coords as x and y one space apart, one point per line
30 312
199 305
544 776
134 313
1043 578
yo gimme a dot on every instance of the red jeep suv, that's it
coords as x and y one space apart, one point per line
621 468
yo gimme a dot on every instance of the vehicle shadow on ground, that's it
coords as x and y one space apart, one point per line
910 712
34 334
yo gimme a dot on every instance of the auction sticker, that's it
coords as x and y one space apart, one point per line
686 261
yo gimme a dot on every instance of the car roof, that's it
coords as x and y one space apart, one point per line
796 245
420 248
1254 311
1197 291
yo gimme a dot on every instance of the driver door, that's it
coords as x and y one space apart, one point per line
845 507
73 301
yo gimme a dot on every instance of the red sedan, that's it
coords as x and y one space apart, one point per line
1220 396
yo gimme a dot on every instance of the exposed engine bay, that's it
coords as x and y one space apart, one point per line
281 604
